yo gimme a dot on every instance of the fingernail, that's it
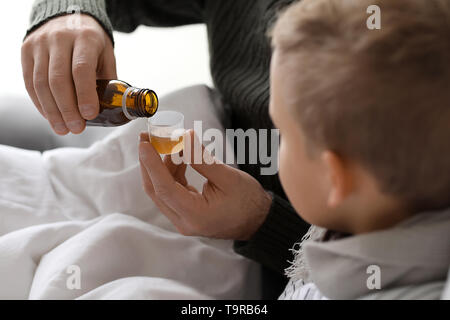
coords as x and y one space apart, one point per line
60 128
87 110
75 125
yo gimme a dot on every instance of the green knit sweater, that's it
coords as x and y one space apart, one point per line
240 62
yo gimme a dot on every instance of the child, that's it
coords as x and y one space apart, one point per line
364 117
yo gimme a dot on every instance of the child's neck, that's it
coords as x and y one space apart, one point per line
381 216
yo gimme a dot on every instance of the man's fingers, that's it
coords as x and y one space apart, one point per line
162 180
44 94
203 162
27 72
87 49
180 175
84 72
166 187
178 171
170 164
107 64
149 190
63 89
146 182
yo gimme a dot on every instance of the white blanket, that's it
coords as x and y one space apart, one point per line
76 223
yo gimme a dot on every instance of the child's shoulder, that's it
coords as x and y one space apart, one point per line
426 291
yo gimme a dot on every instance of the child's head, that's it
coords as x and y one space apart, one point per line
364 115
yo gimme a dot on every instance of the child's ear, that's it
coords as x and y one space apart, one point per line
340 179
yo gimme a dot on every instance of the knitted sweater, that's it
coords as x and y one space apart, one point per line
407 261
240 63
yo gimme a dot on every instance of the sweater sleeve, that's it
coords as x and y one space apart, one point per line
127 15
121 15
271 244
44 10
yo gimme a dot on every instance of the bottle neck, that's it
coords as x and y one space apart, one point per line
145 102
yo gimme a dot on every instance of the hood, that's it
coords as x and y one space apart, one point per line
416 251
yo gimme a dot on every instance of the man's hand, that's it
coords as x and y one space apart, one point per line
232 205
60 67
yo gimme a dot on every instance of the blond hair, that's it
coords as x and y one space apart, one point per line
380 97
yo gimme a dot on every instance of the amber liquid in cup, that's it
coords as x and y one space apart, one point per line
167 145
166 131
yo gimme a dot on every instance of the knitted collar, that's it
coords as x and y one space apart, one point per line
413 252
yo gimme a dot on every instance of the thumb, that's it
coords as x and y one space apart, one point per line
200 159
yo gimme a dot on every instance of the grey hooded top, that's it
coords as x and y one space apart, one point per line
411 261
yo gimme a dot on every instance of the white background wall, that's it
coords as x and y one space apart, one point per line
162 59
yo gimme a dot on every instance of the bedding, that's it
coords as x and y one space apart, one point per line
76 224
